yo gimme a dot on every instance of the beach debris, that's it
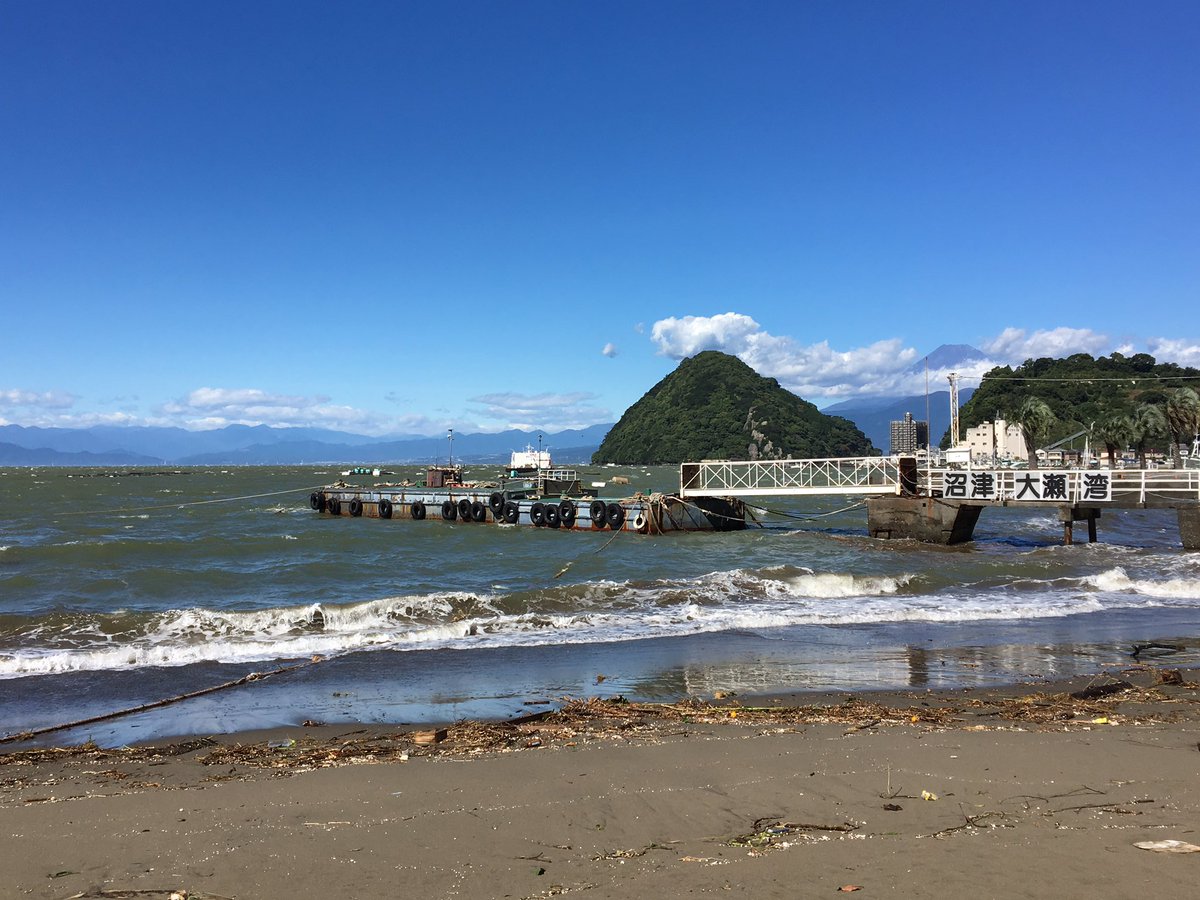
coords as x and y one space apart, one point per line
97 894
1169 676
770 831
928 795
893 807
1096 691
1168 846
1155 648
578 721
434 736
972 822
849 888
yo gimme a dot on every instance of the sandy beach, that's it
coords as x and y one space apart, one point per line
1019 792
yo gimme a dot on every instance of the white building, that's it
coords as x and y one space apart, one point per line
998 441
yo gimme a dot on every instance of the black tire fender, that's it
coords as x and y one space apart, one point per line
512 513
599 513
566 513
385 508
449 510
537 514
616 516
417 511
496 503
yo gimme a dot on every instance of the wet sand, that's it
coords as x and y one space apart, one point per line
1037 794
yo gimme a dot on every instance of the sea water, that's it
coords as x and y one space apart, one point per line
120 588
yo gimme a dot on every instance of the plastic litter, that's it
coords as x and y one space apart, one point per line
1168 846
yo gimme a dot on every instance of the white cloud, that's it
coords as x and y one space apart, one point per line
1182 352
37 399
815 370
209 407
549 411
610 350
729 332
824 374
1014 346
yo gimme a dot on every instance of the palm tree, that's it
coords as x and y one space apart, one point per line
1183 420
1114 431
1036 420
1149 423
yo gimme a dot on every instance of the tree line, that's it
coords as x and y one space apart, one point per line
1119 401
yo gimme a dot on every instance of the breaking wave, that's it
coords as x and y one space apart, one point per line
588 612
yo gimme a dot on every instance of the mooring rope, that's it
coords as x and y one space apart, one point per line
104 717
130 509
787 515
563 570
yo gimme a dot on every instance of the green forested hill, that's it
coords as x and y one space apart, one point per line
714 406
1080 390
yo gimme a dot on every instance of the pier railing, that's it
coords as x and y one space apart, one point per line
791 477
883 475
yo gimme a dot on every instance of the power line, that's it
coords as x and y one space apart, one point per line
1088 379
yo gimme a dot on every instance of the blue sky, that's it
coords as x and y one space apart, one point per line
398 217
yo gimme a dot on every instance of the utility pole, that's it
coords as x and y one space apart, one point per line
953 377
450 438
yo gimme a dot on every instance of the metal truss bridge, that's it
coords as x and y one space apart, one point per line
882 475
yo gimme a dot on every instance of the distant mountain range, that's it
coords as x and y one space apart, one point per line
874 415
261 445
116 445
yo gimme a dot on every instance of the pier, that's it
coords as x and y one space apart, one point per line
942 505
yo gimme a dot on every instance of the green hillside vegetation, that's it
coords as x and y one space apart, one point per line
1122 401
714 406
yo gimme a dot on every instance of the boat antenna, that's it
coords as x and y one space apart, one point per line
450 438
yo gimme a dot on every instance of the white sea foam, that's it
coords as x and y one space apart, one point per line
601 612
1117 580
587 613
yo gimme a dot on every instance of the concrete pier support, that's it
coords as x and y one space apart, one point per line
1189 526
928 519
1069 515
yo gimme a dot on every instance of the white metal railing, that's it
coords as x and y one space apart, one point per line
795 477
1118 487
881 475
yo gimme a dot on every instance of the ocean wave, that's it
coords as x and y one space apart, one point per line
1118 580
585 613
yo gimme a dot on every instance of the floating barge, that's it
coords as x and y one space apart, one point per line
524 501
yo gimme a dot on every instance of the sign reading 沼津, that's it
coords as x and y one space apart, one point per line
1054 487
